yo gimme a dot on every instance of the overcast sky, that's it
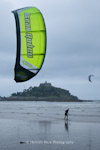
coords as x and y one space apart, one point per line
73 46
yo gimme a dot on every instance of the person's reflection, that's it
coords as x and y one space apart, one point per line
66 125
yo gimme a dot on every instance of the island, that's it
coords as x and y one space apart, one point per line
44 92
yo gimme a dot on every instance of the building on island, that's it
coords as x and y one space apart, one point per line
46 84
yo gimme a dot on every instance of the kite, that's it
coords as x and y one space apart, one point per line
31 43
89 77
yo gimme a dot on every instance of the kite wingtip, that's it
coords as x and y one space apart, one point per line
13 11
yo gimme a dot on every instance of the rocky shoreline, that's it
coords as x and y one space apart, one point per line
15 98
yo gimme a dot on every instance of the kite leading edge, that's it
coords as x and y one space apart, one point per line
31 43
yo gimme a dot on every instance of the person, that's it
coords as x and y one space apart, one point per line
66 113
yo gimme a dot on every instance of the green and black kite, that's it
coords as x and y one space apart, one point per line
31 43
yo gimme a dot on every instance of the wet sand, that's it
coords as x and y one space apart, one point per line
48 135
22 132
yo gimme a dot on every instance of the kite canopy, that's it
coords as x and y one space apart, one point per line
89 77
31 43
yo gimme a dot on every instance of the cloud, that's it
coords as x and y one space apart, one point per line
73 49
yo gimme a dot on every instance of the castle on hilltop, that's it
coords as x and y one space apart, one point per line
46 84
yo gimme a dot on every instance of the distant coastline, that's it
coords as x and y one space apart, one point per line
44 92
38 99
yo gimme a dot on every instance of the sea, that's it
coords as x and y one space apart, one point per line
35 125
37 110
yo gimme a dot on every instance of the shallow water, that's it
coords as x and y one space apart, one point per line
48 135
41 125
78 111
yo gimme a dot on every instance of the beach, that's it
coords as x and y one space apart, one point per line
41 125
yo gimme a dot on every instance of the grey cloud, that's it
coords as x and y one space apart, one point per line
73 43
